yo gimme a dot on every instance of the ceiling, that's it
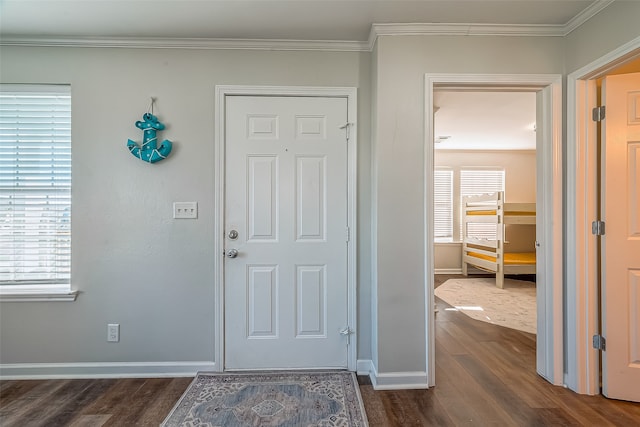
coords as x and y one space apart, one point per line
467 120
346 20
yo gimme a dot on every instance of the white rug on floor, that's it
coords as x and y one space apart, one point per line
479 298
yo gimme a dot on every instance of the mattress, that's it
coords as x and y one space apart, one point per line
493 212
510 258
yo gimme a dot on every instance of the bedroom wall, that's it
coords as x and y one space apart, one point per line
132 263
520 186
398 201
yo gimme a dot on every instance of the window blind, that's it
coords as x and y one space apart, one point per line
35 185
443 205
480 181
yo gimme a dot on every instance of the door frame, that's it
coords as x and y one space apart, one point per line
583 300
221 92
550 350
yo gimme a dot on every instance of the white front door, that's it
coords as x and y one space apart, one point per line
621 242
286 198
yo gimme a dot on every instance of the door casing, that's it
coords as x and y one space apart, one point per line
221 92
583 300
550 353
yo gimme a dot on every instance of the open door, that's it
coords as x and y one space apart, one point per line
621 241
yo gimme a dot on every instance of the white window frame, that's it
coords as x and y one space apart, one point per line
443 212
52 283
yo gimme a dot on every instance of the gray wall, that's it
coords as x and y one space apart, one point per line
399 162
133 263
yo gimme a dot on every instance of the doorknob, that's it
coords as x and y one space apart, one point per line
232 253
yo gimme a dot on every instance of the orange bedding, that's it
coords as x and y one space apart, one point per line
519 258
516 213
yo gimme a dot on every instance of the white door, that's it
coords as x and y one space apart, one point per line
286 197
621 242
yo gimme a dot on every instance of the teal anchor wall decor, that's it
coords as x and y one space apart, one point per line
149 151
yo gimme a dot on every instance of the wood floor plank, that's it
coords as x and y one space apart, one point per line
90 421
495 387
68 408
455 385
163 401
11 390
52 411
14 412
138 400
118 395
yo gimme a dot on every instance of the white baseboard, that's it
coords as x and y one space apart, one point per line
448 271
27 371
392 380
399 381
364 367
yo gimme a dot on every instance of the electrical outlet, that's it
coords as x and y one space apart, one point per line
113 332
185 210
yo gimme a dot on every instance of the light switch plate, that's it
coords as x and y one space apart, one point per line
185 210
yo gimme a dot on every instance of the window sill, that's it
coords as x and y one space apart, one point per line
37 295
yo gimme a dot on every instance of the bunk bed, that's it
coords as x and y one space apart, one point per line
489 254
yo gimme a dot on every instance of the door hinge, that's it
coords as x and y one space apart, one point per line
347 126
348 234
598 114
597 228
599 343
347 332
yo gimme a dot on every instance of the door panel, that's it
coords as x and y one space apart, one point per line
286 196
621 242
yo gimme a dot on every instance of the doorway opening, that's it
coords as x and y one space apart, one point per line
547 90
484 207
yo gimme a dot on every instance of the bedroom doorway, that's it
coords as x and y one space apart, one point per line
485 154
548 240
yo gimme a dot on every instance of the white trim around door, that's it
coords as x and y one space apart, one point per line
550 351
221 92
582 294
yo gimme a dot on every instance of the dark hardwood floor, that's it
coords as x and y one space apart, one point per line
485 376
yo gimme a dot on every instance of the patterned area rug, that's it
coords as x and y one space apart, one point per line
270 399
479 298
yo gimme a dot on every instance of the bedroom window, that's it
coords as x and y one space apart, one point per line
480 181
35 192
443 205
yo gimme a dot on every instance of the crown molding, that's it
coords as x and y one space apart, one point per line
531 30
188 43
419 29
585 15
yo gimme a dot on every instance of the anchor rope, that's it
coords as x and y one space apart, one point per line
150 109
